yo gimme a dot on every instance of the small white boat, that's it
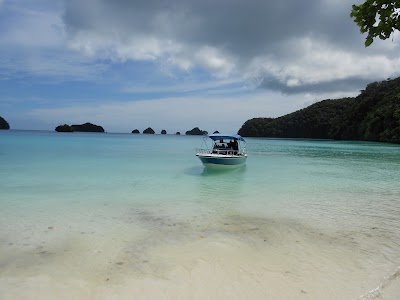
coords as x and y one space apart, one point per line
225 150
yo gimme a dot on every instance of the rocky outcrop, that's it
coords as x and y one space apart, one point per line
136 131
196 131
4 124
149 131
163 131
177 133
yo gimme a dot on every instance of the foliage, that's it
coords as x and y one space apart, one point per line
377 18
374 115
4 124
314 121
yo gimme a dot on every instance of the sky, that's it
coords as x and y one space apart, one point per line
179 64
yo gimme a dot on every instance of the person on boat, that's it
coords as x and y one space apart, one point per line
235 145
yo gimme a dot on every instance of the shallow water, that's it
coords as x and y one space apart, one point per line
100 216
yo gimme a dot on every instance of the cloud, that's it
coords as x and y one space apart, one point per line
283 45
299 47
33 43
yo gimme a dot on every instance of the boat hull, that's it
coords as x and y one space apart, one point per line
222 160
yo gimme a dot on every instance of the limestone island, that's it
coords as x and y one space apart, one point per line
196 131
374 115
163 131
148 131
136 131
4 124
87 127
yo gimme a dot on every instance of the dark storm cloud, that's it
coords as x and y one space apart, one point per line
241 32
245 28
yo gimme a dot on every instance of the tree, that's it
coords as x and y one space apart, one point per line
377 18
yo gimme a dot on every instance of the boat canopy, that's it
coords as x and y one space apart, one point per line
218 136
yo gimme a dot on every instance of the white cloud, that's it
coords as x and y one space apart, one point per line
247 39
214 60
317 62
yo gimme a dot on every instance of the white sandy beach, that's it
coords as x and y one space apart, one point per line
237 259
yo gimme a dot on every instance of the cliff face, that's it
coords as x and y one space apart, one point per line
374 115
4 124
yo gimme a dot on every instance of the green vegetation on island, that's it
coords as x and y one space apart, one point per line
87 127
4 124
374 115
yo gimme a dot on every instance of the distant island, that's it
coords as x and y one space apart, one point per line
196 131
4 124
87 127
136 131
163 131
374 115
148 131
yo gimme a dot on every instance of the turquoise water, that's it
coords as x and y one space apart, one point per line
66 196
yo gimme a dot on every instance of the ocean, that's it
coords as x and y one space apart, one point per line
125 216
